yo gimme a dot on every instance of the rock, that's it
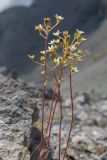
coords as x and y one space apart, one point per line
83 99
70 157
13 74
34 146
104 156
35 115
88 138
15 118
83 143
20 130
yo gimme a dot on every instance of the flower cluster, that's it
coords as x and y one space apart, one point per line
71 55
47 27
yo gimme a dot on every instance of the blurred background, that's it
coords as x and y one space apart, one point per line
18 37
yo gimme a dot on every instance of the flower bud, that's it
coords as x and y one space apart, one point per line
47 21
65 33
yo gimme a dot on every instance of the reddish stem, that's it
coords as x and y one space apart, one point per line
44 89
60 123
51 120
72 120
51 109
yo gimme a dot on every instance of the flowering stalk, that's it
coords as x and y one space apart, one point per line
72 112
44 90
70 55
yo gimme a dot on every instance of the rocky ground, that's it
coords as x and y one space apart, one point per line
17 102
19 110
89 137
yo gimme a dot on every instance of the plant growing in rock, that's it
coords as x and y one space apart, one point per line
63 66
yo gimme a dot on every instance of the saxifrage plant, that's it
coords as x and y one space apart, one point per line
50 59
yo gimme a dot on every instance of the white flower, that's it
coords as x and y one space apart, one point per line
43 52
50 48
72 48
56 61
83 39
58 18
80 32
75 54
57 33
31 56
52 42
39 28
57 41
74 69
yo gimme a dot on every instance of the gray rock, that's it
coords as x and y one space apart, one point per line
104 156
15 118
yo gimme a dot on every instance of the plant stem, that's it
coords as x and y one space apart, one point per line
51 120
44 90
51 109
72 120
60 122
